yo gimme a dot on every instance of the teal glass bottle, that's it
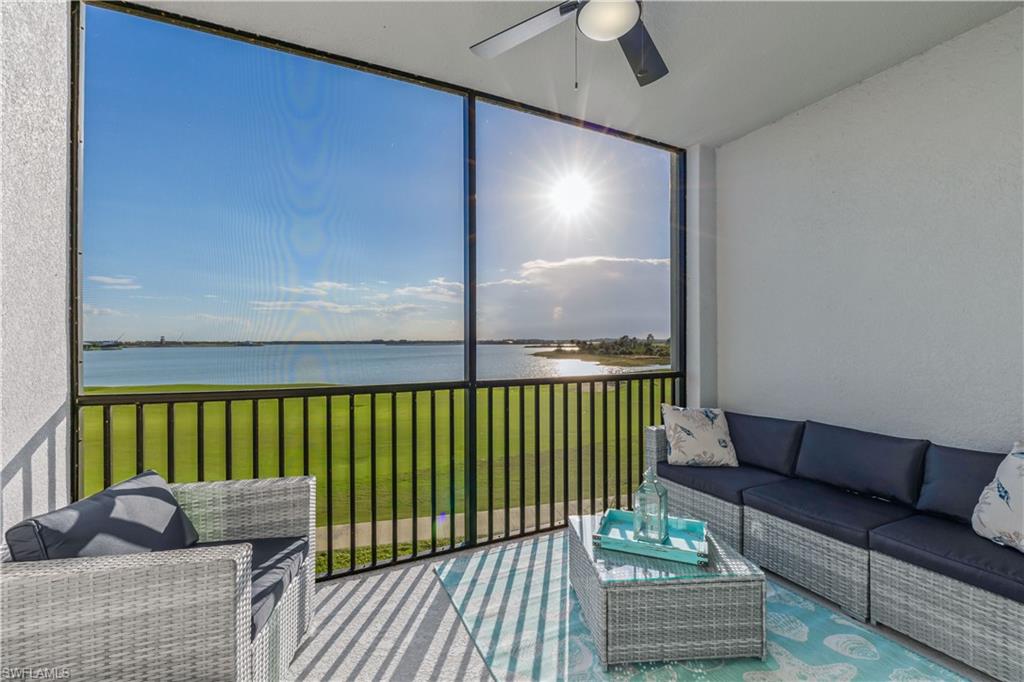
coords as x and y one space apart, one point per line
650 510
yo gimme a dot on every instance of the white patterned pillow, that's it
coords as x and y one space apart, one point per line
999 515
698 437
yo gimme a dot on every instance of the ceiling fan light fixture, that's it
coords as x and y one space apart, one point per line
606 20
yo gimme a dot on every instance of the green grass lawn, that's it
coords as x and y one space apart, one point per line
492 459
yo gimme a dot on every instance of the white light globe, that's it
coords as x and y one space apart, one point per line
607 19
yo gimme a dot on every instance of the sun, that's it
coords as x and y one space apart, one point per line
571 195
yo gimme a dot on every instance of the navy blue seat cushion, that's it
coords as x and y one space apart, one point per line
275 563
765 442
954 479
725 483
868 463
137 515
839 514
952 549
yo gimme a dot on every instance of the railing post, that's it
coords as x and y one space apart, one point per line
470 413
677 243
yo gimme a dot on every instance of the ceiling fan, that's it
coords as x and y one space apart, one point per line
601 20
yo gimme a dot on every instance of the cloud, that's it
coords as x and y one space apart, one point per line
160 298
397 308
303 306
206 317
580 297
115 281
315 306
438 289
534 271
506 282
341 286
101 312
537 267
308 291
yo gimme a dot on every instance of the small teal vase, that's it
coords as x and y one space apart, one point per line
650 510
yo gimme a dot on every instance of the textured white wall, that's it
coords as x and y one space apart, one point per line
33 258
701 298
870 251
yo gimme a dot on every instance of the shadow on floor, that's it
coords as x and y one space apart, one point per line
395 624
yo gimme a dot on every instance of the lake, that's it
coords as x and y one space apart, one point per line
361 364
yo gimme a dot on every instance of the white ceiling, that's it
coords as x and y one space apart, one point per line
735 66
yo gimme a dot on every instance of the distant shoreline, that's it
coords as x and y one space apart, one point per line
95 345
606 360
532 343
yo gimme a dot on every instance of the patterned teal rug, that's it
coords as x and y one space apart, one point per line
516 603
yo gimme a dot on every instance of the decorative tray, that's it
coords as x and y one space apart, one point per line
686 542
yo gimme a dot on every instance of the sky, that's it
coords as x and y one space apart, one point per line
233 192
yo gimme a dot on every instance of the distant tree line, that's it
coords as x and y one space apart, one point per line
626 345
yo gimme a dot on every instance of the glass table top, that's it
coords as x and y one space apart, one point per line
724 563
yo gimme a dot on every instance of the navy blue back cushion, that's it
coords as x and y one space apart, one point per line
765 442
868 463
137 515
953 480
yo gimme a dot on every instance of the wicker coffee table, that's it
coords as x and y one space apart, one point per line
640 609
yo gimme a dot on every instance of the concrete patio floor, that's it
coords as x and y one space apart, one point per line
392 624
399 624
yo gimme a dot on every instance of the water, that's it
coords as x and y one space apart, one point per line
354 364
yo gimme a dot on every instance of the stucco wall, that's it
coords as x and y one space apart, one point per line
870 251
701 303
33 258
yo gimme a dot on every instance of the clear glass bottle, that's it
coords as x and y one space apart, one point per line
650 510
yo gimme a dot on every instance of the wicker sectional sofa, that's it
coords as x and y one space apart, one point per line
236 605
877 524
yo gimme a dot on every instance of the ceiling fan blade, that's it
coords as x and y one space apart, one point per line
642 55
524 30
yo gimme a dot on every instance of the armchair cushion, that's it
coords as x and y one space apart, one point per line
275 563
137 515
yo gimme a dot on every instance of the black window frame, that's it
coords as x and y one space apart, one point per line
470 98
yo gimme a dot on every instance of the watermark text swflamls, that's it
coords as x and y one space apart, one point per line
56 673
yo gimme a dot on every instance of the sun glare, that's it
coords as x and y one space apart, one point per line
571 195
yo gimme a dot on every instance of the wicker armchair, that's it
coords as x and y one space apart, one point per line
183 614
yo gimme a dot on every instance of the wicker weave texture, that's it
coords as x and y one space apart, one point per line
824 565
183 614
276 644
982 629
253 508
643 620
584 581
725 519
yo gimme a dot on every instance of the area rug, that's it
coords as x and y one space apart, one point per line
516 603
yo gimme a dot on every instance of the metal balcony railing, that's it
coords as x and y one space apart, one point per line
401 472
